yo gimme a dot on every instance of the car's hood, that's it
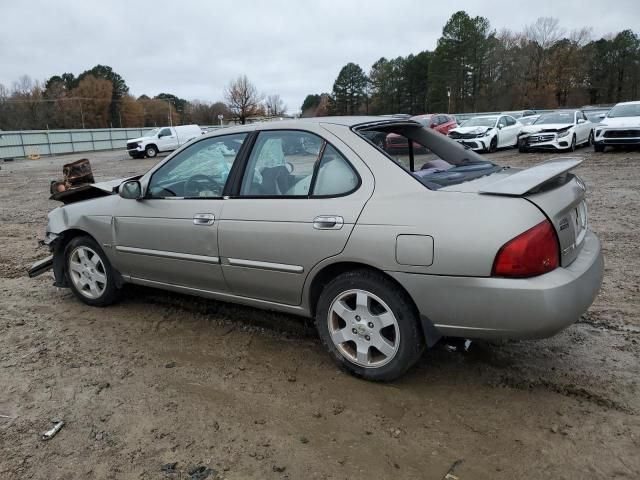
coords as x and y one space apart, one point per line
621 122
547 127
139 139
89 191
476 130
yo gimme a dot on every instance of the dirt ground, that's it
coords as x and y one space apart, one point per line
163 378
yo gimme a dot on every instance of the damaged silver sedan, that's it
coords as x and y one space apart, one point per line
388 252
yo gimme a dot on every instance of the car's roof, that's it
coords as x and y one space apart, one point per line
300 122
635 102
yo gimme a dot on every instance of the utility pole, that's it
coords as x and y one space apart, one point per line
81 113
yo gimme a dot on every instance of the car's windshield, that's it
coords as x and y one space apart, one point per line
556 117
632 110
151 133
527 120
480 122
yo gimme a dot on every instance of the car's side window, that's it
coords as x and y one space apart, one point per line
502 122
281 163
510 121
199 171
165 132
335 176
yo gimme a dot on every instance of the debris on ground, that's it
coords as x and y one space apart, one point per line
49 434
169 467
201 472
450 473
457 345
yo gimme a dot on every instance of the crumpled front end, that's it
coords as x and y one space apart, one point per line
52 241
559 139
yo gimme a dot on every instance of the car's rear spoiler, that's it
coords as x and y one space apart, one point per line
527 180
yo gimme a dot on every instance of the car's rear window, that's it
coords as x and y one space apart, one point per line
429 156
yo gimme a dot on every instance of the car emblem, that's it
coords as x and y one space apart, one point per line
564 223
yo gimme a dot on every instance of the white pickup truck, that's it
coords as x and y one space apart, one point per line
162 139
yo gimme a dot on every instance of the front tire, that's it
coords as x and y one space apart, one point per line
369 326
493 145
572 147
89 273
590 139
151 151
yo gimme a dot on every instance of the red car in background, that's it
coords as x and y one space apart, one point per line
438 121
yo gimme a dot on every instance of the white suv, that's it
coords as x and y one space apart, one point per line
620 126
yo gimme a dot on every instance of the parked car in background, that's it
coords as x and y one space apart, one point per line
439 122
520 113
528 120
595 115
387 259
619 127
163 139
561 130
487 133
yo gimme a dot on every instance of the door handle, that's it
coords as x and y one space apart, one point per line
204 219
328 222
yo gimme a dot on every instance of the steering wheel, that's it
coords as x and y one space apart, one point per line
200 183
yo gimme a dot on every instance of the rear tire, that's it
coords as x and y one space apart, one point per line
362 310
89 273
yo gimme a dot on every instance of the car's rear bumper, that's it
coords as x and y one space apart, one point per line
495 308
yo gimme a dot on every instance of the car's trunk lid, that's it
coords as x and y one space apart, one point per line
550 186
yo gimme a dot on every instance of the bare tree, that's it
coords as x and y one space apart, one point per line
545 31
275 106
243 98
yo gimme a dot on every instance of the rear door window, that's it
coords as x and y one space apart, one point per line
293 163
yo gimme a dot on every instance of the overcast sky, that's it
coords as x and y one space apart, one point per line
295 47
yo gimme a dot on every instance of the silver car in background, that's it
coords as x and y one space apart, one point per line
387 252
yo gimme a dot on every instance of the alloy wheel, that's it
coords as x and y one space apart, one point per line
87 272
363 328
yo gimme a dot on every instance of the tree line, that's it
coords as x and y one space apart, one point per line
475 68
100 98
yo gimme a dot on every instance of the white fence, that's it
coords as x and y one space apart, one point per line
58 142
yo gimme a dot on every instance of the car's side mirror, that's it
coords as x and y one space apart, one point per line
581 120
131 189
500 127
602 115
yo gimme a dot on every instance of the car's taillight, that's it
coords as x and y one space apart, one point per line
533 252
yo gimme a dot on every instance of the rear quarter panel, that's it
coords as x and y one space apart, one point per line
468 229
